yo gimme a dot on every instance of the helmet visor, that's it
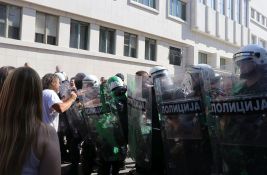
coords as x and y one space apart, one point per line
244 66
244 55
88 84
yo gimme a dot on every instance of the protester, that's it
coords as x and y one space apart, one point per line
72 84
142 73
52 105
103 80
4 71
58 70
79 80
91 100
27 146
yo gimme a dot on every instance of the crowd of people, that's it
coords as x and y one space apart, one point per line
199 122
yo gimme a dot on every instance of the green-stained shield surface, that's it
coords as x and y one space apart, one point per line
139 121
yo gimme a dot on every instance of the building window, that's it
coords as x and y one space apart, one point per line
149 3
230 9
262 43
245 12
223 63
107 40
258 16
79 35
237 11
178 9
130 45
10 19
211 4
202 58
221 5
263 20
175 56
253 39
46 27
253 13
150 49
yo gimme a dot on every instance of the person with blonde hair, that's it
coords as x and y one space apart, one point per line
27 146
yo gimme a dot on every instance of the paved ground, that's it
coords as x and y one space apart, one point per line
129 165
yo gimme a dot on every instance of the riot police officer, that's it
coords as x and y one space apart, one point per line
111 128
139 121
241 115
251 60
205 84
158 166
185 134
90 84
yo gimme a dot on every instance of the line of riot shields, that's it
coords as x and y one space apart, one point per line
210 123
196 122
185 143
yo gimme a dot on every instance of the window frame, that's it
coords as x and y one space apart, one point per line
262 43
263 20
6 25
130 45
223 66
212 5
45 37
244 17
182 15
237 11
221 6
253 39
229 9
258 16
80 23
200 58
180 56
252 13
148 52
107 36
155 6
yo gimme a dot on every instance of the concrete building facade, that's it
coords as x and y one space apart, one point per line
110 36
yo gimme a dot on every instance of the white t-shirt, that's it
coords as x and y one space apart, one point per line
50 116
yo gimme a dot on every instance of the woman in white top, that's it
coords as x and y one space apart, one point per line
27 146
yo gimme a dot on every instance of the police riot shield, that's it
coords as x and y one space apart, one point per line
91 109
183 124
104 126
64 90
76 121
241 122
139 121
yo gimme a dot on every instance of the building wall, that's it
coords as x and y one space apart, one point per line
44 59
258 28
205 30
